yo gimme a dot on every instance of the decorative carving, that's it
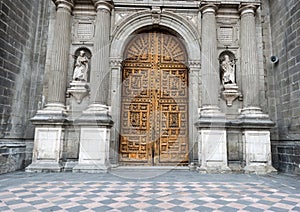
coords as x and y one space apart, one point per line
85 30
78 90
156 11
154 100
225 35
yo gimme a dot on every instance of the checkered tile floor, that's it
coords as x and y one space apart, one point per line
146 196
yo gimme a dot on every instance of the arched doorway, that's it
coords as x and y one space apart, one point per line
154 105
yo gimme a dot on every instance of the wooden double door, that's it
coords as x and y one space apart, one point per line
154 113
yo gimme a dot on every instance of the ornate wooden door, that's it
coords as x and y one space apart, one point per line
154 125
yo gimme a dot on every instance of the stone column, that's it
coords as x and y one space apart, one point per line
100 73
49 122
209 61
212 146
95 122
255 124
60 57
249 65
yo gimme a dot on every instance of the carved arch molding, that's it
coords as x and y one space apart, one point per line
154 112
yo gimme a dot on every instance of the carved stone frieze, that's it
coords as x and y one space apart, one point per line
84 29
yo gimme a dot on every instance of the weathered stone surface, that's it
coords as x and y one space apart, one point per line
23 39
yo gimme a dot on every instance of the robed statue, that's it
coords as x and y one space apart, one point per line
81 67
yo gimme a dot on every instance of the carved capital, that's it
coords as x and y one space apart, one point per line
194 64
115 62
248 8
103 5
66 4
208 8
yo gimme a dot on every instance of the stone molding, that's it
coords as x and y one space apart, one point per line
103 5
66 4
168 19
208 8
115 62
248 8
194 64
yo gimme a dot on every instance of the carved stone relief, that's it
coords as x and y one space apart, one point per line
84 30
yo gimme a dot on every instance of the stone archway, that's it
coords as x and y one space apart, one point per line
154 114
189 37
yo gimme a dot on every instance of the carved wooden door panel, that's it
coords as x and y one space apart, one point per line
154 125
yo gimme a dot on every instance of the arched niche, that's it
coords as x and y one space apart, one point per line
88 54
227 61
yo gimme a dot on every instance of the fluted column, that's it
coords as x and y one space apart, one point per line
249 65
60 56
100 61
209 60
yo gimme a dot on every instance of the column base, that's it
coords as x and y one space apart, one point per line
210 111
53 112
91 168
214 169
44 166
96 114
258 168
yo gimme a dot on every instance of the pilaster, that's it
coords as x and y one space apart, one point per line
100 73
255 124
60 57
49 122
212 144
96 122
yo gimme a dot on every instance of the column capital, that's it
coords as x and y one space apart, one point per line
208 8
103 5
248 8
67 4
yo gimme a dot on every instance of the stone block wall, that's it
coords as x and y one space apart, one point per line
23 27
284 81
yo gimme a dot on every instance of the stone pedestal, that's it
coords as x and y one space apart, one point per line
78 90
94 149
95 125
230 93
257 154
256 141
47 149
213 145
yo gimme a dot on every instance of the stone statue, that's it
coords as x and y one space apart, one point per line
227 67
81 67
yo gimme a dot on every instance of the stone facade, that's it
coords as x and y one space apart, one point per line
24 32
78 122
283 81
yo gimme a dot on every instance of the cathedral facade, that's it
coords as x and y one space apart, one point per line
157 83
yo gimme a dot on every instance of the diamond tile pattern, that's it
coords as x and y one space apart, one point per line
146 196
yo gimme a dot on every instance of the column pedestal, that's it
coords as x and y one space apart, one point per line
47 150
257 154
94 149
94 140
